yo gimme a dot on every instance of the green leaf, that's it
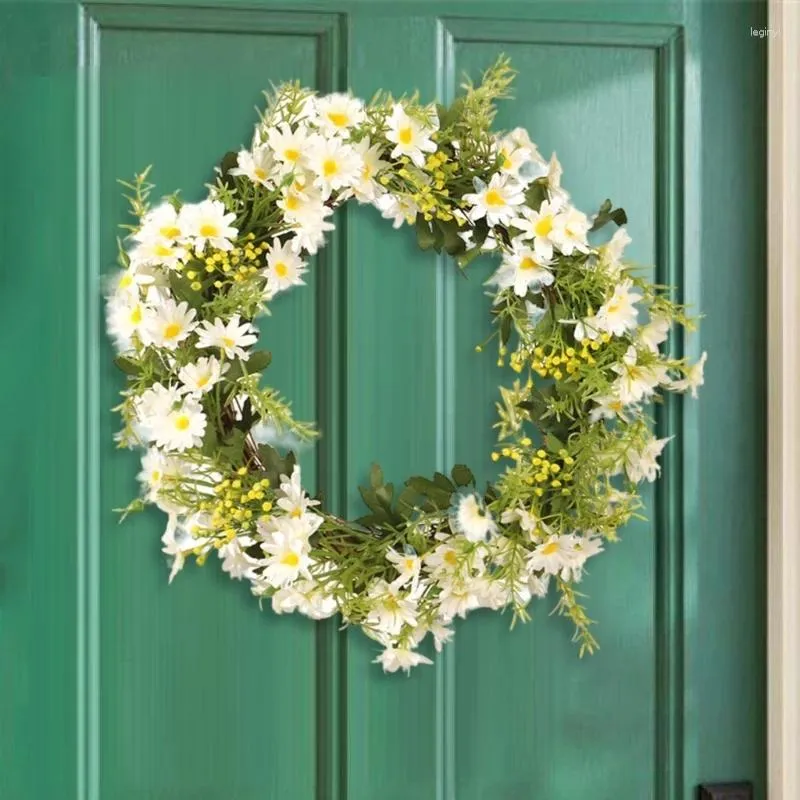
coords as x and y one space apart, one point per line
505 328
375 476
128 365
259 360
452 242
439 497
462 475
182 289
554 444
607 213
467 258
426 238
536 194
443 482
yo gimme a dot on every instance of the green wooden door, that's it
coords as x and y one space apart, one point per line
115 686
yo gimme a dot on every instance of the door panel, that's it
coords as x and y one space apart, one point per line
129 688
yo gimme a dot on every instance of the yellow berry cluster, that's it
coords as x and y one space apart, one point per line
547 469
556 364
238 502
236 264
432 198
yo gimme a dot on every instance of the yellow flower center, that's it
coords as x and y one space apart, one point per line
171 330
494 198
290 559
292 202
182 422
409 563
227 341
290 154
170 232
202 381
126 281
507 162
296 512
136 315
450 558
155 476
550 548
405 135
281 270
330 167
162 250
544 226
208 230
260 173
527 263
613 307
337 118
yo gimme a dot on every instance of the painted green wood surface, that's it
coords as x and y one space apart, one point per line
114 686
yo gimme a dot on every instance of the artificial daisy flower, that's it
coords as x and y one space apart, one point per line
208 222
637 381
694 378
618 314
395 658
201 376
288 145
390 608
538 585
178 543
158 252
441 634
411 138
574 231
181 428
611 252
497 201
407 564
519 157
235 561
654 333
400 209
168 324
257 165
310 229
306 597
469 517
153 405
456 599
295 500
337 113
287 556
553 555
160 471
522 269
642 464
336 165
125 315
445 558
231 337
545 227
367 189
160 224
284 268
608 406
527 520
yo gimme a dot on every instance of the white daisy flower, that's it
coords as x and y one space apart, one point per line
182 428
367 189
231 337
522 269
654 333
168 324
336 165
538 585
391 608
295 500
125 315
201 376
160 470
608 406
498 201
299 202
235 561
257 165
398 209
154 404
288 146
456 599
545 227
527 520
309 231
611 252
208 222
178 543
641 465
553 555
637 381
337 113
284 268
441 634
574 231
469 516
287 557
408 566
410 137
160 224
158 252
395 658
519 153
694 379
618 314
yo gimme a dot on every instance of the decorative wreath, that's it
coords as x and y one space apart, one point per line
573 427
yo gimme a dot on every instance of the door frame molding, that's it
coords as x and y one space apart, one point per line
783 209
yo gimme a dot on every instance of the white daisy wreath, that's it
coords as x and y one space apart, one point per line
573 430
